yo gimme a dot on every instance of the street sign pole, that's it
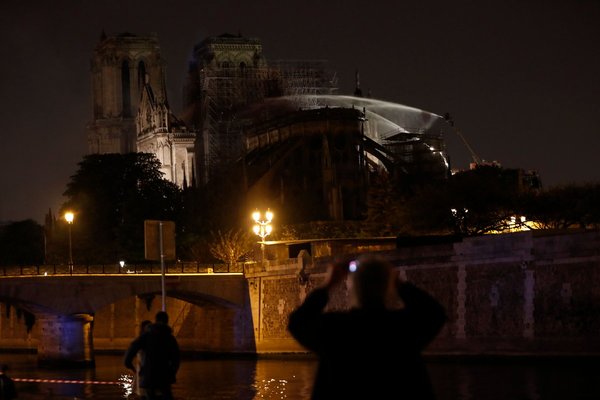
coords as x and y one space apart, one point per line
159 244
162 266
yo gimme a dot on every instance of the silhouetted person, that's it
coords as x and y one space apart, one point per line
140 392
373 350
8 390
159 358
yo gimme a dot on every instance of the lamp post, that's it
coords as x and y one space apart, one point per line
69 217
460 226
262 228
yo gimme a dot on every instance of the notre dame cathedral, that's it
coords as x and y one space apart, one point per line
130 107
279 125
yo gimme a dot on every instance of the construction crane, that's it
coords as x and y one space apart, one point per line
476 159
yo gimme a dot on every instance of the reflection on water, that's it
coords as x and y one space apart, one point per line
291 378
127 383
284 379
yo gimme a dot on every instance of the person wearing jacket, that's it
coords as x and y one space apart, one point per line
8 390
373 350
138 391
159 361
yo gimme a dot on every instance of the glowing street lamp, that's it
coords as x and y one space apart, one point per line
69 217
262 228
459 219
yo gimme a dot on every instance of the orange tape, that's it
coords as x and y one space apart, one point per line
66 381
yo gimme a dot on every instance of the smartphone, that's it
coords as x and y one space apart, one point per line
352 266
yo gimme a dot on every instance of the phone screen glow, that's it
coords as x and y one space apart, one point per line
352 266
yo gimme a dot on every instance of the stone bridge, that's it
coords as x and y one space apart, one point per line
64 305
87 294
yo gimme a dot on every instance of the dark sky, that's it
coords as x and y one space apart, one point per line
520 78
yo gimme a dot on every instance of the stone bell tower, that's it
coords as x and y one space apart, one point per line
227 73
120 67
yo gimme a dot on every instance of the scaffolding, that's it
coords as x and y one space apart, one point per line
227 91
224 92
304 80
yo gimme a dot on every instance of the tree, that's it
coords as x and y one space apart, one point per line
489 193
483 200
231 246
564 207
22 243
112 195
385 208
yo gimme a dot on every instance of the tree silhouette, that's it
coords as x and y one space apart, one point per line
112 195
22 243
232 246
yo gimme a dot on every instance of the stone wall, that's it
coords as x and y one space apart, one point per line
13 330
521 293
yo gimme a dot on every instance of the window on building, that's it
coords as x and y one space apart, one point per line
141 74
125 89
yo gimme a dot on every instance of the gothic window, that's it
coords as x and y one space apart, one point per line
159 152
141 74
125 89
166 159
256 59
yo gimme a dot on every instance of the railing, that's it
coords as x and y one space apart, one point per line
99 269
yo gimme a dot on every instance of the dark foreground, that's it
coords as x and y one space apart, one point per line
291 378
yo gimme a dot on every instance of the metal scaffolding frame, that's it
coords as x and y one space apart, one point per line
304 80
225 91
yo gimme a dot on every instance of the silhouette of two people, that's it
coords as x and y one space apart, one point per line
159 358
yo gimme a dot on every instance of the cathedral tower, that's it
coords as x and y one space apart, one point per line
118 69
160 132
227 73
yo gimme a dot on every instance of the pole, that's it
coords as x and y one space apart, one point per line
70 252
162 266
45 246
262 229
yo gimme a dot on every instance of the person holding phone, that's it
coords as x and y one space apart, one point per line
373 350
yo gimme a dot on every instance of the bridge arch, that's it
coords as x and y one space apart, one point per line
76 314
201 323
75 294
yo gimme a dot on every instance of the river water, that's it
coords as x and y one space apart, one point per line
291 378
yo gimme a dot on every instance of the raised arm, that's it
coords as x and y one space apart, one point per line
303 322
132 350
427 314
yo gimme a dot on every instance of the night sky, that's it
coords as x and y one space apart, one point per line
520 78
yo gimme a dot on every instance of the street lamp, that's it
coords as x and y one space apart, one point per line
69 217
262 228
459 219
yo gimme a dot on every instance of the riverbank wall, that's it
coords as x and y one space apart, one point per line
533 293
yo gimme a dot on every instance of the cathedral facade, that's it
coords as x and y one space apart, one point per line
131 111
277 130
